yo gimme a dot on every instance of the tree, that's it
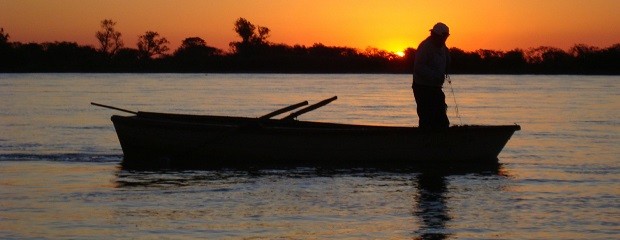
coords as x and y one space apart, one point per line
373 52
5 51
151 44
193 42
196 46
245 29
261 37
195 55
514 62
4 37
582 50
29 57
126 60
109 39
550 60
253 38
70 57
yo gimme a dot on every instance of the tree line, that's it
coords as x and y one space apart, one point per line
254 53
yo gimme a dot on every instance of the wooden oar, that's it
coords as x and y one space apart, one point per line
252 124
310 108
115 108
283 110
266 116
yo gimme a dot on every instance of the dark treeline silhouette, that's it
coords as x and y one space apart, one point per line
254 53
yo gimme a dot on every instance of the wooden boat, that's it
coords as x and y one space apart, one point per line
164 140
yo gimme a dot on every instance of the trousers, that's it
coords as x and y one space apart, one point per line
431 106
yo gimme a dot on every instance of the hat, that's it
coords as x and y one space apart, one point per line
441 29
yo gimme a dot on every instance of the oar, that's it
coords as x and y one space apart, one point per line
266 116
115 108
252 124
310 108
283 110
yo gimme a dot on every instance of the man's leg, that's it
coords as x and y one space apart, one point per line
439 109
423 105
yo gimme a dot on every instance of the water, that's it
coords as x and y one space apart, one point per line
60 175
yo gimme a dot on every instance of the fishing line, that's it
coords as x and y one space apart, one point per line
456 106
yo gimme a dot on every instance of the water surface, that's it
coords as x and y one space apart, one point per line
60 175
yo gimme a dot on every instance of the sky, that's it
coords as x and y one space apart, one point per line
391 25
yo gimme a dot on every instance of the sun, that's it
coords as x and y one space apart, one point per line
400 53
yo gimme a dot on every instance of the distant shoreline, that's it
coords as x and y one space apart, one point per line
255 54
63 57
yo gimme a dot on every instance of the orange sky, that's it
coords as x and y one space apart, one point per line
392 25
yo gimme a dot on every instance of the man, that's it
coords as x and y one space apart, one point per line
429 72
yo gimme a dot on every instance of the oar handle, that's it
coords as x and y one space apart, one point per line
310 108
283 110
115 108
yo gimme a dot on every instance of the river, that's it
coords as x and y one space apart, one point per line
60 175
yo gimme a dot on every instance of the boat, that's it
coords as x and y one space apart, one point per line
168 140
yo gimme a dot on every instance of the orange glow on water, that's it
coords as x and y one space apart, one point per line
392 25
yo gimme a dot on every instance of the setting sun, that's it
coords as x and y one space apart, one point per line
400 53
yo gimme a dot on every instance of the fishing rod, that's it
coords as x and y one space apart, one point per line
456 106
